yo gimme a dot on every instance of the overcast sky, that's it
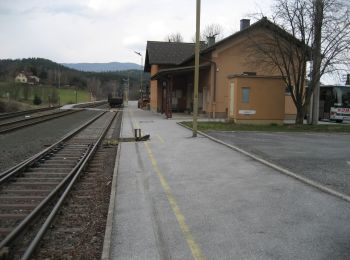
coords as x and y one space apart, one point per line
107 30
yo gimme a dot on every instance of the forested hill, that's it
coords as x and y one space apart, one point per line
52 73
103 67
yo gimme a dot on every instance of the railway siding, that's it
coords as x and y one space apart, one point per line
25 195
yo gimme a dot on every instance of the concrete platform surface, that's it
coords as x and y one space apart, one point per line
179 197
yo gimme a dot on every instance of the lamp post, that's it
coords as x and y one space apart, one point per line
127 89
138 53
196 70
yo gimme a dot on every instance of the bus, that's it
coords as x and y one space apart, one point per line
334 103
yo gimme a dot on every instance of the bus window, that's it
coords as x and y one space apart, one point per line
346 98
334 103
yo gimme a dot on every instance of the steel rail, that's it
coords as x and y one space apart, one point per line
91 104
21 166
75 176
32 121
25 112
25 222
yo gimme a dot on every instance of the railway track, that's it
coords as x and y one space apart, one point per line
32 192
35 119
14 121
26 112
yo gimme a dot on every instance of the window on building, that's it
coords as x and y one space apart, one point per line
245 95
287 91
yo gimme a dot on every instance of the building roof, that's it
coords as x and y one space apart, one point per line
168 53
178 53
262 23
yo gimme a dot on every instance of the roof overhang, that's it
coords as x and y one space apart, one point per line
178 70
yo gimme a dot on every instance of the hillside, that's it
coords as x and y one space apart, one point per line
102 67
57 75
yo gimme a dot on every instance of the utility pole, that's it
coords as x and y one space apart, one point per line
316 64
196 69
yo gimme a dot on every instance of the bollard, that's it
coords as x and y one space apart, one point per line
137 133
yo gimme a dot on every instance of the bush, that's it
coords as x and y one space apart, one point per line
37 100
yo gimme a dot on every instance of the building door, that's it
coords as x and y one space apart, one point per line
163 100
205 97
189 97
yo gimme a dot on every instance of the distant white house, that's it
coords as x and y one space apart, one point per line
28 78
21 77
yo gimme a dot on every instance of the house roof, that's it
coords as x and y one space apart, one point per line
168 53
262 23
178 53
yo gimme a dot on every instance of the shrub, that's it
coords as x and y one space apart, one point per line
37 100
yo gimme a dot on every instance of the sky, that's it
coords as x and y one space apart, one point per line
108 30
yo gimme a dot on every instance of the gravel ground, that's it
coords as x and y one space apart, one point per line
21 144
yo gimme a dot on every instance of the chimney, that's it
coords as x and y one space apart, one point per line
347 79
210 40
245 23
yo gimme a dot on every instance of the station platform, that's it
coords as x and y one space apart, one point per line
179 197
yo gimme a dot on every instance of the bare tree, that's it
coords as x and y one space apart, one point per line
174 37
212 30
288 53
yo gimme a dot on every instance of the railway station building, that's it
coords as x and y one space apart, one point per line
231 84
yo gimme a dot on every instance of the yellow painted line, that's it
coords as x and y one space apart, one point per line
194 247
160 139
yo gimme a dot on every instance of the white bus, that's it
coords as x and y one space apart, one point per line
335 103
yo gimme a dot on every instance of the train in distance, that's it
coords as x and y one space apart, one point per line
115 100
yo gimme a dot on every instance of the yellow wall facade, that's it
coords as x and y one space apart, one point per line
266 99
154 90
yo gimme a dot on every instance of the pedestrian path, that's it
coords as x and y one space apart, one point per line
179 197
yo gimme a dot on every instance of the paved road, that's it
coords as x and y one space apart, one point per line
319 156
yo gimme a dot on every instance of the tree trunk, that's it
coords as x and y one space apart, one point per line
299 120
318 20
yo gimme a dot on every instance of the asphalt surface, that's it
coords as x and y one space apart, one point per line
19 145
180 197
321 157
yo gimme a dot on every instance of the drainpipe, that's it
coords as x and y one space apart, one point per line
214 79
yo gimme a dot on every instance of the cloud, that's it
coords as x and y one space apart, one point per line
103 30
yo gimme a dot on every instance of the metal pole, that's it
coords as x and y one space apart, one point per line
196 70
138 53
141 80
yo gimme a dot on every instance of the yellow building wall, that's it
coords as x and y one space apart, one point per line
235 58
266 100
290 109
231 58
153 90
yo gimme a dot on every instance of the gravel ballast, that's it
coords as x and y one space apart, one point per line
19 145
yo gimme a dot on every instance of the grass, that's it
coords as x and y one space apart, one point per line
223 126
25 93
67 96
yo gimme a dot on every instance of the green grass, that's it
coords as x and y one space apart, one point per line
67 96
25 93
223 126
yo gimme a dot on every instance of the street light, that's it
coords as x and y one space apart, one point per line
138 53
127 90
